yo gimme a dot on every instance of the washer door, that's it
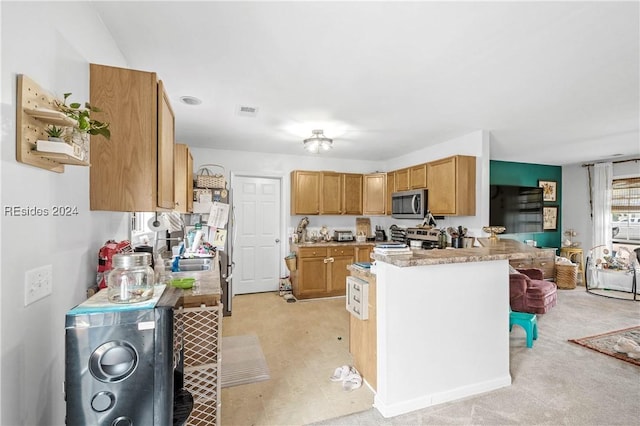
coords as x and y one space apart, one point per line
113 361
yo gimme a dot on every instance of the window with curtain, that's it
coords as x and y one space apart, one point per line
625 210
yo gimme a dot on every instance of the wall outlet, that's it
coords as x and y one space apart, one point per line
38 283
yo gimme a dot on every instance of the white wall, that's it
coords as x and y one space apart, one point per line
53 44
576 210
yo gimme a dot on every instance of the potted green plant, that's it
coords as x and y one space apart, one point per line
82 115
55 133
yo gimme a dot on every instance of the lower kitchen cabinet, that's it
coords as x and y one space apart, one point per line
362 335
322 270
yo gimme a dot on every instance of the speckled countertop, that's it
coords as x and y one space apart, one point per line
502 249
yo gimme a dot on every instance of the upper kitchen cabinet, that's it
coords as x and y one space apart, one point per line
184 179
134 171
375 194
402 179
418 176
352 193
391 188
452 186
305 192
331 192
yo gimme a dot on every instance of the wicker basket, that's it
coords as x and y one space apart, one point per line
566 275
205 178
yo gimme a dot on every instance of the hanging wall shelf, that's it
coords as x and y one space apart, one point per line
35 111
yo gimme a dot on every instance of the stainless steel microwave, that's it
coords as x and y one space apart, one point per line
409 204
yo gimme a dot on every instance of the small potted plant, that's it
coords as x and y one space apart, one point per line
55 133
82 115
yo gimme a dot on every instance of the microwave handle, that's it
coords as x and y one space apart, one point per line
414 204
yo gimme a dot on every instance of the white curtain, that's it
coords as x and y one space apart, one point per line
601 190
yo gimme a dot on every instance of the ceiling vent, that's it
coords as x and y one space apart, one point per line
247 111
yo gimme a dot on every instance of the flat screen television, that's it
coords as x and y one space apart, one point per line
517 208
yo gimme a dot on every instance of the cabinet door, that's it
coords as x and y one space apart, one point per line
338 275
352 194
311 277
374 197
418 176
305 192
331 193
391 188
363 253
452 186
181 195
402 179
124 170
189 180
166 142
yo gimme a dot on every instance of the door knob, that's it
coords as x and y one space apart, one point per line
277 240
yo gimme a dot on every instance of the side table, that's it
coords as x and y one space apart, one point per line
576 256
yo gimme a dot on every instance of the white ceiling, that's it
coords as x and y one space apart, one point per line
554 82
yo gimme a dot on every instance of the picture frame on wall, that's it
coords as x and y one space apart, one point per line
550 218
549 189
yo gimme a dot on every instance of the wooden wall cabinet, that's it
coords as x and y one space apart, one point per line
352 193
331 193
418 176
452 186
305 192
134 170
184 179
402 179
391 188
321 271
328 193
374 201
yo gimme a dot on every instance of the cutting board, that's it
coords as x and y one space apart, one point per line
363 225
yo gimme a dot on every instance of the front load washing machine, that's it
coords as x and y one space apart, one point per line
120 363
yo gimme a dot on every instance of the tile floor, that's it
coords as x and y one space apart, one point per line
303 342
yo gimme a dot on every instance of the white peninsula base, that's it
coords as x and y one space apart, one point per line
443 333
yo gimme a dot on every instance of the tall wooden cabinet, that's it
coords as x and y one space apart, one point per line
184 179
134 170
374 194
452 186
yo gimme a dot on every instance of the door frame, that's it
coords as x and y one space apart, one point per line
283 226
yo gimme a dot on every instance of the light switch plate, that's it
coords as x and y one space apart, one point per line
38 283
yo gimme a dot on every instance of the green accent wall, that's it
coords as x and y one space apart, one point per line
525 174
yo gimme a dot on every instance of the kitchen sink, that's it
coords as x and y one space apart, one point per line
191 264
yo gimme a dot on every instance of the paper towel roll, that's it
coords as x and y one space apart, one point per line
160 226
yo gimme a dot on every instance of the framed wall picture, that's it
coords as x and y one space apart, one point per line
550 218
549 188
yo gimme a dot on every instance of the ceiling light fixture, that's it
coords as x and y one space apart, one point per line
190 100
318 142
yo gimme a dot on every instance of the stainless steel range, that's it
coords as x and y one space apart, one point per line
123 364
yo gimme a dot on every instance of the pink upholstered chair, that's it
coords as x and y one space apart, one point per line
529 292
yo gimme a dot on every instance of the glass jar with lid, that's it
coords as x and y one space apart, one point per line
132 278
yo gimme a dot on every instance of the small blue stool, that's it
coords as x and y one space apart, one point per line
527 321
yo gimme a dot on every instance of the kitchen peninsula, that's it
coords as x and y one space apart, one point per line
443 324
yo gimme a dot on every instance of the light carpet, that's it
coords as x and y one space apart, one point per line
242 361
604 343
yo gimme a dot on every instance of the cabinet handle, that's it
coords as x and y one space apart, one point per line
543 263
326 260
521 265
331 259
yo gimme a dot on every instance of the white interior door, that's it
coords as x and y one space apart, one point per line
257 249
